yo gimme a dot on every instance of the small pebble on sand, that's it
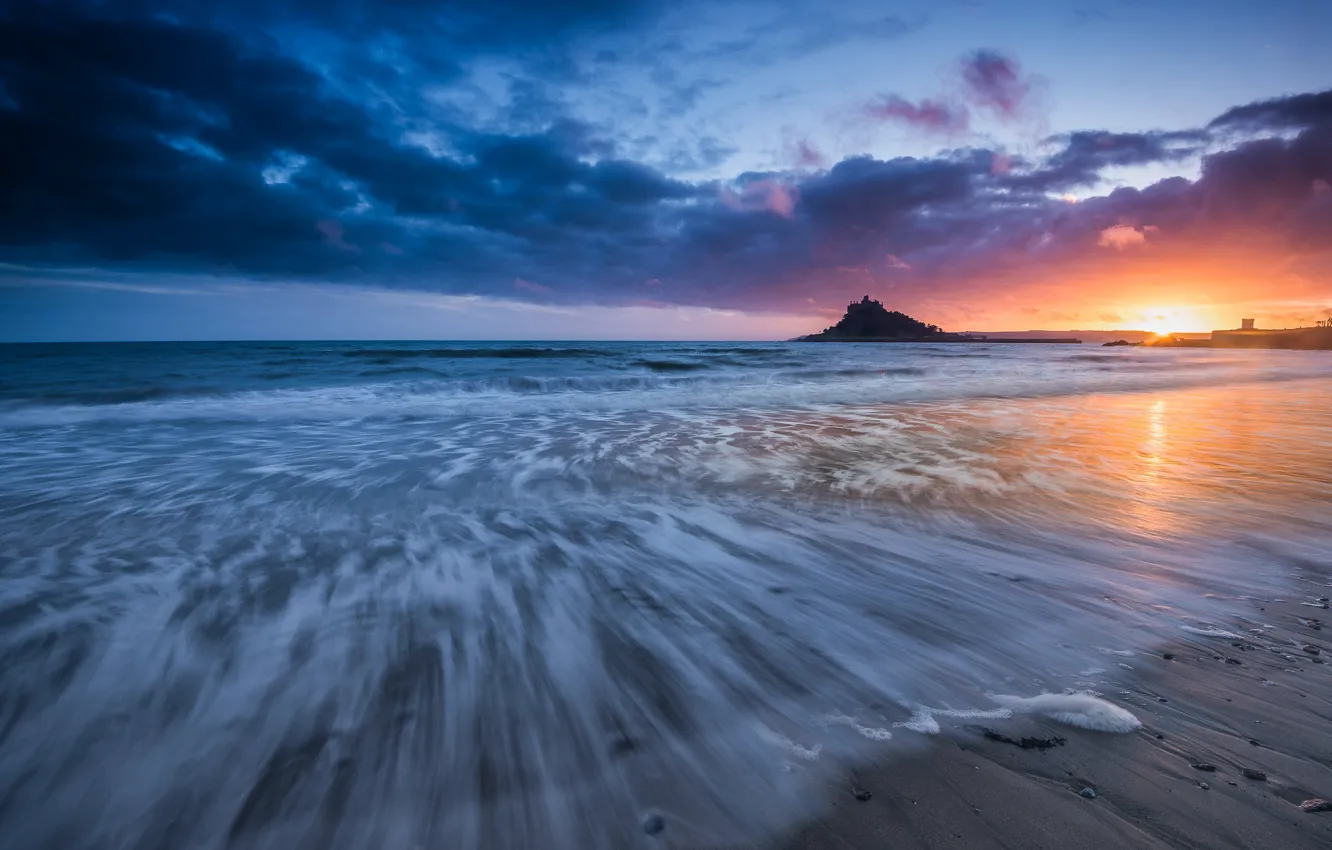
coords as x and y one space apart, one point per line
1316 805
653 824
1089 793
1202 765
1256 775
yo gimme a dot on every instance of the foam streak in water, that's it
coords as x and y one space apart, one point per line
1079 709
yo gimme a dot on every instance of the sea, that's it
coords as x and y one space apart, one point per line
599 595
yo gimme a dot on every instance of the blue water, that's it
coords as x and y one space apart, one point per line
527 594
321 379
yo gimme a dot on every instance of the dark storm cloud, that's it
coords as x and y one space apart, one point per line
1273 195
133 139
141 140
866 192
132 142
1303 110
489 25
1085 154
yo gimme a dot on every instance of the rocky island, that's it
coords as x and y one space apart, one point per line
868 320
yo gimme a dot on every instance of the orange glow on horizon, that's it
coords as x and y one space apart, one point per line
1164 321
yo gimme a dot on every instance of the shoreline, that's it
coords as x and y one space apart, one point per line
1259 703
932 341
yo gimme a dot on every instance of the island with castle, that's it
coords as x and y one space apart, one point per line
868 320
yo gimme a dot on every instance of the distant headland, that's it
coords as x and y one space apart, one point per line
868 320
1316 338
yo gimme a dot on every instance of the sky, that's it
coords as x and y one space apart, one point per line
643 169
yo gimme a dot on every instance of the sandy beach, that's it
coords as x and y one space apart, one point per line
1211 709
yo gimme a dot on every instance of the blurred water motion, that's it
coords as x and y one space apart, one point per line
534 596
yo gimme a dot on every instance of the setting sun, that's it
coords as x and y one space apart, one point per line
1167 320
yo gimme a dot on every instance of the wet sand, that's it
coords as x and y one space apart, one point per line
1260 703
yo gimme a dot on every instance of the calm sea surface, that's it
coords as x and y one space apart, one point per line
503 595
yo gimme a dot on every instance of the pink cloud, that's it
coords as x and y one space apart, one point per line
519 283
780 199
334 234
896 262
767 195
1000 163
993 81
932 115
1123 236
807 155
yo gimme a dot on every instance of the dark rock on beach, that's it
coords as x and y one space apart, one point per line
1026 742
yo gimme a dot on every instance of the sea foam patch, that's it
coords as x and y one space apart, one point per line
923 719
874 733
1210 632
1081 710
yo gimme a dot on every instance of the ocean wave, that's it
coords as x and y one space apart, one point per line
670 365
480 353
816 374
116 396
525 394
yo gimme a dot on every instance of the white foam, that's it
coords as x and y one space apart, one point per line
922 720
797 750
1210 632
1082 710
874 733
